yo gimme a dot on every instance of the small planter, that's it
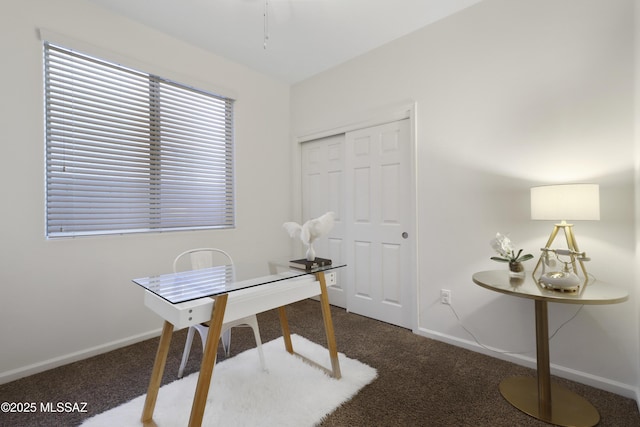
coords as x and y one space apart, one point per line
516 269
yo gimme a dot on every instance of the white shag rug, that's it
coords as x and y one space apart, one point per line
291 393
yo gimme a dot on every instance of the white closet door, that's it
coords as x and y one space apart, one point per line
379 223
323 191
365 176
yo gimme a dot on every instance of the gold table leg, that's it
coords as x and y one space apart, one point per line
541 398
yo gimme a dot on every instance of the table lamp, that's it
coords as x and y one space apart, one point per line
561 203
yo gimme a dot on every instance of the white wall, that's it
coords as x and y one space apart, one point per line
637 168
61 299
510 95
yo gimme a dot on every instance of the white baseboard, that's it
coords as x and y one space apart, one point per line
601 383
36 368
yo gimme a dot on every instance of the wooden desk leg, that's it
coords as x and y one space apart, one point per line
156 373
328 326
208 361
544 370
286 333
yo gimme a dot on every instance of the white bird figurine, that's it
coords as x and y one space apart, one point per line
311 230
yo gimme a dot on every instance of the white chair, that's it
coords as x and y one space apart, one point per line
194 259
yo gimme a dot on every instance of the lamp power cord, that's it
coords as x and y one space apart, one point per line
511 352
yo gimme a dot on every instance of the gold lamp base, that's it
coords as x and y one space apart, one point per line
572 245
565 409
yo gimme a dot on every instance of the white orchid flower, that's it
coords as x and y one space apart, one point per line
503 247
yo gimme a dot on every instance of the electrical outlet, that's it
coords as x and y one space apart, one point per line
445 296
331 278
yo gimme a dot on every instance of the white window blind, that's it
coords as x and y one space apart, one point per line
130 152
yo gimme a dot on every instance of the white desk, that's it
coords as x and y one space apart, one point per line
187 298
543 399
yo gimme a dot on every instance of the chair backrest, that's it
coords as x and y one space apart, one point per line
194 259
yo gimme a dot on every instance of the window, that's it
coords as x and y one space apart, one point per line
129 152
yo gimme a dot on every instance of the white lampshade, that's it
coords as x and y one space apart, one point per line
573 202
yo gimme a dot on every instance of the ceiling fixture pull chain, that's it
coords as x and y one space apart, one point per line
266 23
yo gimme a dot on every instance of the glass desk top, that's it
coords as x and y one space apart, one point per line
212 281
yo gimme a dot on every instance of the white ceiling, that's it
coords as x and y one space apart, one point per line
305 37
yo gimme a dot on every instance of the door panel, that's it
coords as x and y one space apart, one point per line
391 274
378 211
323 191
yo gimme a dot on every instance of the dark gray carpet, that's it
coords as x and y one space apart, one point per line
421 382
